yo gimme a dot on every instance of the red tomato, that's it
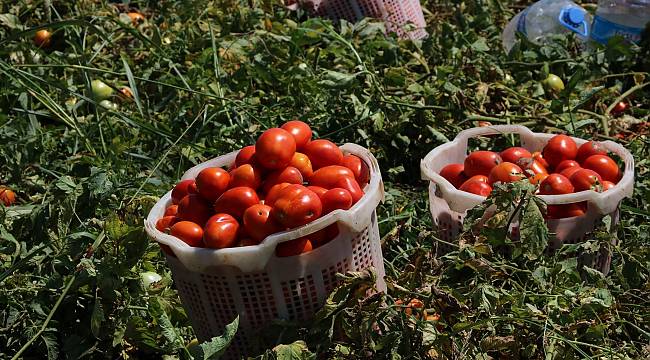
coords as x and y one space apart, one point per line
537 178
274 149
295 206
585 179
293 247
505 172
245 175
619 108
331 233
590 148
165 223
480 178
273 193
540 158
7 196
212 182
560 148
126 92
289 175
359 168
323 236
565 165
300 131
245 156
513 154
236 200
317 238
221 231
301 162
481 163
564 211
454 174
320 191
42 38
194 208
182 189
555 184
607 185
568 172
352 186
323 153
328 176
258 223
336 198
604 166
531 166
171 210
476 187
189 232
136 17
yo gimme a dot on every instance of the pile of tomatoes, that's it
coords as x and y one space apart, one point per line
560 168
284 181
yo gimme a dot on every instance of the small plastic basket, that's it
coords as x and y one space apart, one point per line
449 205
395 13
217 285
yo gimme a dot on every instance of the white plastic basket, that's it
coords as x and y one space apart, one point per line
217 285
449 205
395 13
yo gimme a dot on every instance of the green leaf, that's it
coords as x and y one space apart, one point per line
533 232
167 329
587 96
51 343
437 134
542 275
97 317
336 79
11 21
217 345
132 85
295 351
67 184
600 299
572 127
449 87
573 82
99 184
370 29
480 45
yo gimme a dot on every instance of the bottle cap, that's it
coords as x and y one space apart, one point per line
574 19
575 16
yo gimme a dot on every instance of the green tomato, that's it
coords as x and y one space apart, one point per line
554 83
100 90
108 105
151 281
192 343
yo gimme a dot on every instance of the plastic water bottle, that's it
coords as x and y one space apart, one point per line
626 18
548 17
